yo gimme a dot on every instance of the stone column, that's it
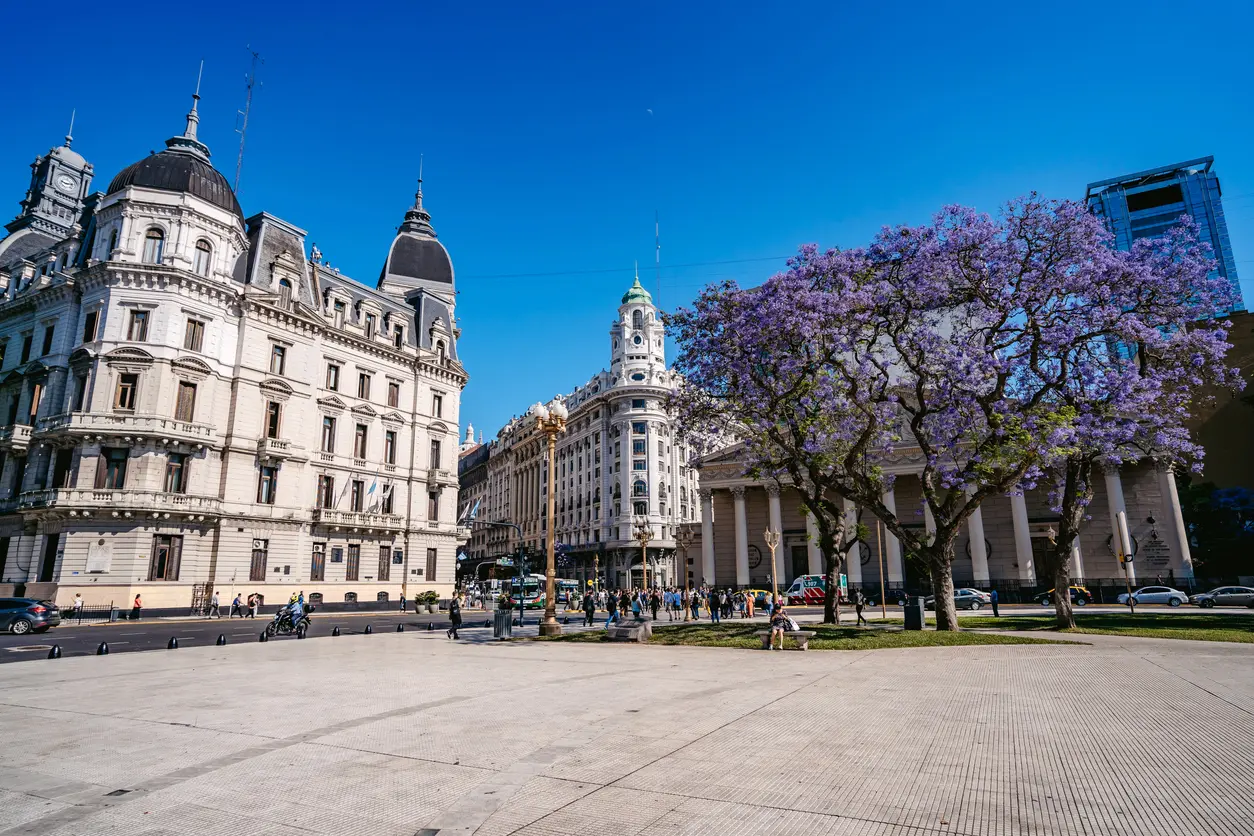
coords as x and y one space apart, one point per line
853 558
1116 505
1178 536
929 522
707 536
777 525
1023 537
742 537
979 549
814 557
1077 561
892 546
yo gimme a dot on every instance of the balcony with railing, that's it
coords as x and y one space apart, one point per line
15 437
124 424
280 448
121 502
358 519
440 476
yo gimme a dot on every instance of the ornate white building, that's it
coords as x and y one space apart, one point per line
191 403
617 461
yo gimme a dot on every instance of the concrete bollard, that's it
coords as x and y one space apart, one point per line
173 645
263 637
368 630
430 626
221 639
103 649
55 653
335 631
400 628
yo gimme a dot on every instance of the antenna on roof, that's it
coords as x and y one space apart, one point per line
242 130
69 135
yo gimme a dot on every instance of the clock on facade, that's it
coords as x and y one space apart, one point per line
66 183
755 556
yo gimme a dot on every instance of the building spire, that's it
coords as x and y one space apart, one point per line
418 219
188 141
69 135
418 194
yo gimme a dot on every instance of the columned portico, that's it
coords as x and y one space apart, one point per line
896 572
814 557
979 548
707 536
1178 537
742 536
776 516
853 558
1077 561
1117 505
1023 537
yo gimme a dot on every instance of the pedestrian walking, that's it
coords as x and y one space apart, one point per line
78 605
993 595
454 615
589 610
716 606
749 605
611 606
655 601
252 605
137 607
402 602
214 610
859 601
236 607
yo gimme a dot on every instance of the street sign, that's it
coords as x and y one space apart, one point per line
505 561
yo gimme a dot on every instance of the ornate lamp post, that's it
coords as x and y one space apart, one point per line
642 534
772 542
550 422
683 539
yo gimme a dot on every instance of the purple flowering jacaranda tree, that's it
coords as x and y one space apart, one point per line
1134 394
942 350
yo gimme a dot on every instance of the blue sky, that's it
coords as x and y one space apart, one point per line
552 132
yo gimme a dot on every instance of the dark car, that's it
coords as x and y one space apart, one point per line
28 615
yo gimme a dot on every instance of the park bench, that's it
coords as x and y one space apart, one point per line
802 638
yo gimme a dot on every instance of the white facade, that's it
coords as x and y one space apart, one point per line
618 461
192 404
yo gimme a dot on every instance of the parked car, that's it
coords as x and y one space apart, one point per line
1155 595
1079 597
1225 596
964 599
28 615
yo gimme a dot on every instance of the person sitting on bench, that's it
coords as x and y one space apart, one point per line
779 623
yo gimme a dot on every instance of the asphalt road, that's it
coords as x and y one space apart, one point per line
127 636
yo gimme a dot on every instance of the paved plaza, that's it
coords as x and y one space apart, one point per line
411 734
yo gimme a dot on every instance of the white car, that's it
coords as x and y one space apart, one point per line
1156 595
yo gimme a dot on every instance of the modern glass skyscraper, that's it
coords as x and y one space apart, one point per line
1148 203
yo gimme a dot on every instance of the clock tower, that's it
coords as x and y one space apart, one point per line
58 187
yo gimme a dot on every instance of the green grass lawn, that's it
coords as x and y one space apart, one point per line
1237 627
829 637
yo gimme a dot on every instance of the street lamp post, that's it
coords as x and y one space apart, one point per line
683 539
643 533
550 422
772 542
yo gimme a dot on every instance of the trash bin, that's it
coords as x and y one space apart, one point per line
503 624
113 613
914 612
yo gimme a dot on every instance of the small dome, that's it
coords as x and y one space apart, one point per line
69 156
637 293
416 257
176 170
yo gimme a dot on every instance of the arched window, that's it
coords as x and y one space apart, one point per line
637 319
154 245
113 242
382 596
285 293
315 597
202 258
439 349
639 488
350 597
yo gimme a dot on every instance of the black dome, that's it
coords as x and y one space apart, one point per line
419 258
179 171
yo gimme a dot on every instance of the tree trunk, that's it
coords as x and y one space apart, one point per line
1064 616
942 562
831 567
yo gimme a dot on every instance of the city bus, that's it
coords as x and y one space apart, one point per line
532 592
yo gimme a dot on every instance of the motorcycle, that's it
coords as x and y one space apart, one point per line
282 623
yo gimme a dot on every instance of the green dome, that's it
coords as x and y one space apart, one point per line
637 293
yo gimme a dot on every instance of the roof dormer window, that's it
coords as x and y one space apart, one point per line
202 258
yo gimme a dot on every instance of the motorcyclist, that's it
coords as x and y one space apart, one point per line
295 605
